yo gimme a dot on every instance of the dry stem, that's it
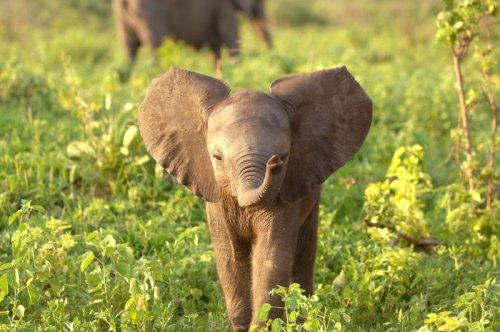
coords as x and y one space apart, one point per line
425 243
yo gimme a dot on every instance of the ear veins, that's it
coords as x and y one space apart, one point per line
203 115
206 108
286 105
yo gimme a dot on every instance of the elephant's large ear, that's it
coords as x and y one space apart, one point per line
172 121
331 115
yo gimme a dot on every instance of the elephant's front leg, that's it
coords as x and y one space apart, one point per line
233 267
303 268
272 264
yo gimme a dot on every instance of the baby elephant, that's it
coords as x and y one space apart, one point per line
196 22
258 160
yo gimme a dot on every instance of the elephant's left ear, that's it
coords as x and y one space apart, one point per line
331 116
172 121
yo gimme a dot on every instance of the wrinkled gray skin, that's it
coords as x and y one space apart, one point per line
255 11
196 22
258 159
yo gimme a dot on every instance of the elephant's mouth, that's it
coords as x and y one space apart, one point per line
253 192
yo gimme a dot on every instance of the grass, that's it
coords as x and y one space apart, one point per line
105 240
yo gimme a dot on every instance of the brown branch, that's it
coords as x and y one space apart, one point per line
425 243
456 157
464 114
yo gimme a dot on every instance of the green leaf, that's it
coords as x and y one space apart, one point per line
19 311
263 314
124 268
38 208
124 151
476 196
90 236
34 293
292 303
79 149
6 266
141 160
14 217
109 241
340 281
133 287
129 135
88 258
293 316
129 303
4 285
277 325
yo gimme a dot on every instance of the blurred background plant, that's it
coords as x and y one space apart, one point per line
94 236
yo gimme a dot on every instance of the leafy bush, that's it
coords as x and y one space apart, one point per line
396 201
301 313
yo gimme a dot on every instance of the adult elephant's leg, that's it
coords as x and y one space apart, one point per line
233 267
152 31
227 28
126 33
303 267
216 52
260 23
273 257
129 39
132 44
262 28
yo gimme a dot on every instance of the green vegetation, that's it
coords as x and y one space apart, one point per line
94 236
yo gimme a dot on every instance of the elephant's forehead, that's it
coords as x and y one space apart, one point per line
248 115
249 125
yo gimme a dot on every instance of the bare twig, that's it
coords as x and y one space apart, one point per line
425 243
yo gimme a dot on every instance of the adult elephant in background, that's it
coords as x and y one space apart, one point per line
256 13
196 22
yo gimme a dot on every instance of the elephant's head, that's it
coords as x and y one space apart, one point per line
255 146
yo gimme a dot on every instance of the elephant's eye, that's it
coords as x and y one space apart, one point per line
218 157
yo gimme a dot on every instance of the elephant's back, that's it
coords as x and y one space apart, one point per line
193 21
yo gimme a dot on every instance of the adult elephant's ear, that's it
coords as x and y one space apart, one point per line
172 122
331 116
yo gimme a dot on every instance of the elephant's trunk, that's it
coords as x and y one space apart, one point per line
255 190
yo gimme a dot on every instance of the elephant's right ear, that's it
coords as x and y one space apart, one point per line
331 116
172 121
